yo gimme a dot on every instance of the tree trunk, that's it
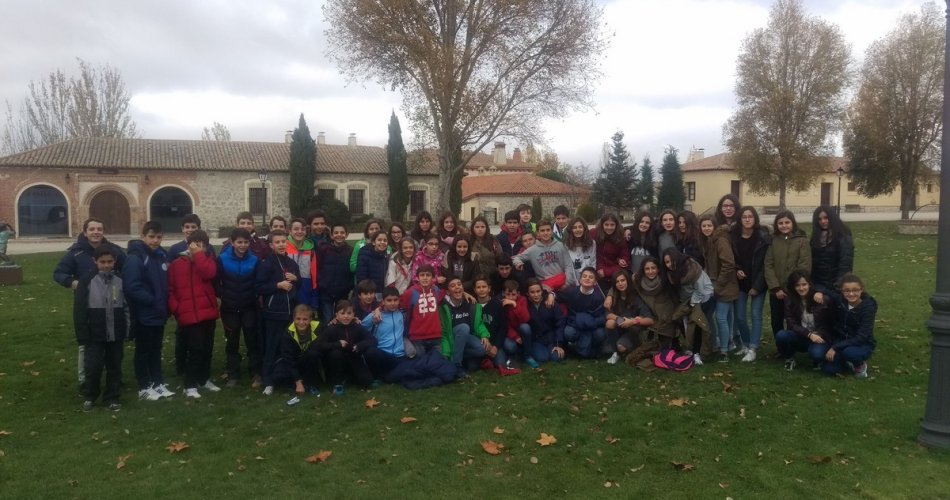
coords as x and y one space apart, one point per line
907 196
782 187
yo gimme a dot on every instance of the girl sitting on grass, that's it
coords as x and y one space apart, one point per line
808 320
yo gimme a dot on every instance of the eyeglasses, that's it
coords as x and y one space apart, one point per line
851 291
728 205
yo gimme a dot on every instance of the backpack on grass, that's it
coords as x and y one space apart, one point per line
668 359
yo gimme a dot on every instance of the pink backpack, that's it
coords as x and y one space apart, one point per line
668 359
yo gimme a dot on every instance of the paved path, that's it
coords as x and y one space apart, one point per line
22 246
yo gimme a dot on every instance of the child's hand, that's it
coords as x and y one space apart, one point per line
609 301
622 263
740 274
486 344
600 273
780 295
343 343
440 280
285 286
469 298
519 341
377 315
290 277
559 352
819 297
830 355
549 302
508 303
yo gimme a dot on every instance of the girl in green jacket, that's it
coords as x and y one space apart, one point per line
789 251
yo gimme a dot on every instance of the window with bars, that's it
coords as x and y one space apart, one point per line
417 201
256 200
691 191
356 201
328 193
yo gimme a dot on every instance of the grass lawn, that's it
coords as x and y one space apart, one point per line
736 430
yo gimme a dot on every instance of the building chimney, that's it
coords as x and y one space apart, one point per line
516 156
499 157
289 136
321 138
352 141
695 154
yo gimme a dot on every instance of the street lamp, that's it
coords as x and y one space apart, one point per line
840 172
262 175
935 428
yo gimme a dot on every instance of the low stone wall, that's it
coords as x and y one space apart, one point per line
917 227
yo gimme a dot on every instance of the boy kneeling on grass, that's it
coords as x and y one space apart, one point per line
299 359
101 318
343 344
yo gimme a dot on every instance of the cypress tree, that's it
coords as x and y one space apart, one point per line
645 188
303 157
398 171
671 193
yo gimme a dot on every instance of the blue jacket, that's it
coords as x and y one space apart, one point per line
235 280
584 312
372 265
389 332
334 277
146 284
278 304
78 262
547 324
854 327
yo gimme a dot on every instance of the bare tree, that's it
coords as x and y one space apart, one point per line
95 104
791 76
217 132
895 120
471 71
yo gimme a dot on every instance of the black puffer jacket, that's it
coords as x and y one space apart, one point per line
754 269
832 261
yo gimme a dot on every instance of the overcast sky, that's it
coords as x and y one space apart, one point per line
254 66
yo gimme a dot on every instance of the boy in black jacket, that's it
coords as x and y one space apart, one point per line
343 344
101 318
276 280
299 359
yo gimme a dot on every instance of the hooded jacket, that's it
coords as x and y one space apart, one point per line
336 280
294 345
824 320
235 280
546 259
510 243
191 296
832 261
77 262
852 326
145 278
305 256
721 265
786 254
371 265
466 313
755 268
547 324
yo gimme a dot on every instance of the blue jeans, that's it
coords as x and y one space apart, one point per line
724 323
466 344
527 338
853 354
752 338
542 353
587 343
788 343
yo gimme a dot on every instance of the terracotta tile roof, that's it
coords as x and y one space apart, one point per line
427 159
155 154
203 155
516 185
723 161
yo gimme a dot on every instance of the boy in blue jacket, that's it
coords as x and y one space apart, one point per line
545 341
146 288
276 280
237 268
388 325
334 279
586 316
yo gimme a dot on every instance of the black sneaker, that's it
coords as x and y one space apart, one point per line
789 364
724 357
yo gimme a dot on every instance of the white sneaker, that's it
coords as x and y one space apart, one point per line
742 351
210 386
749 356
192 393
613 359
697 359
149 394
268 390
163 391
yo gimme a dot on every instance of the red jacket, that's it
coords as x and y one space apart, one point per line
191 295
609 253
517 316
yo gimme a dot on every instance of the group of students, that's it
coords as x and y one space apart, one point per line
425 307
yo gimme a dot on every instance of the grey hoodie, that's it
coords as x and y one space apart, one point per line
547 260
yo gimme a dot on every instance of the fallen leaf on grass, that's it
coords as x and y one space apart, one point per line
787 462
491 447
177 447
725 387
638 469
27 364
546 439
533 460
408 420
612 440
2 454
742 412
371 403
319 457
678 402
723 485
682 466
35 373
5 433
819 459
608 484
122 461
498 430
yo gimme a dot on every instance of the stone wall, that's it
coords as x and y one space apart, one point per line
376 196
225 194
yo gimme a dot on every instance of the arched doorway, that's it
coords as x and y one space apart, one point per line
42 211
167 206
113 210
